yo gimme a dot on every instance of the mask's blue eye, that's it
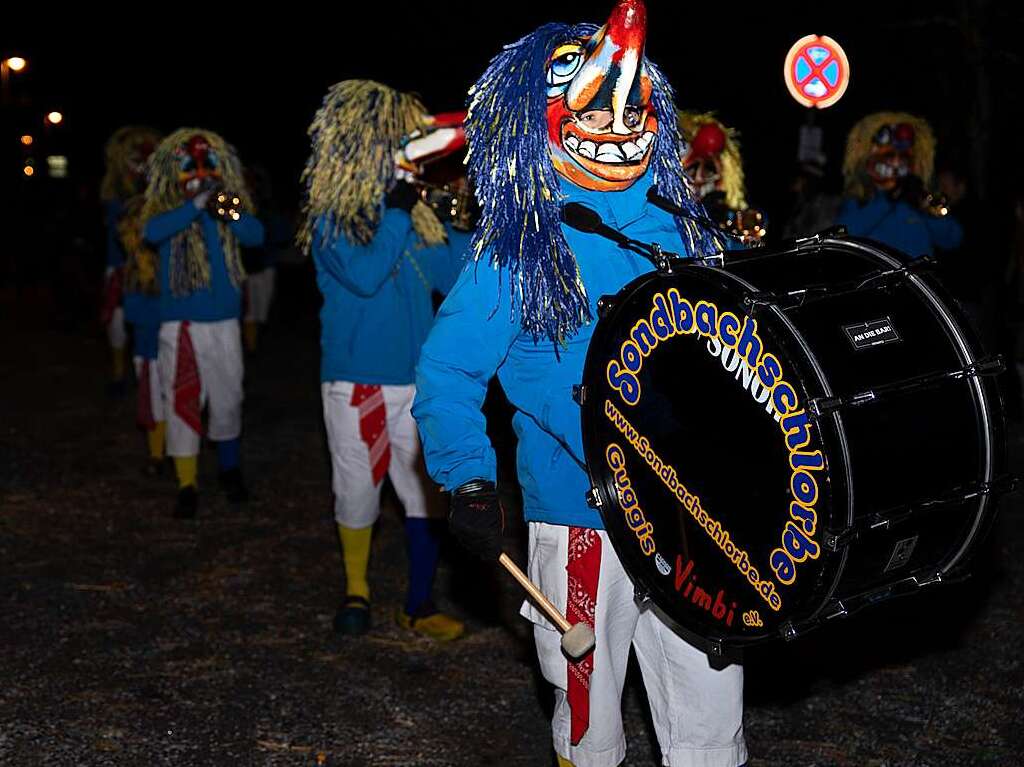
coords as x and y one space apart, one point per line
188 165
565 64
212 160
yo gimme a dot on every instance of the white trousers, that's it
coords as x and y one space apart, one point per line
117 334
697 710
356 498
259 293
218 350
156 387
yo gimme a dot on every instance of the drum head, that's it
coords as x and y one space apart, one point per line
713 483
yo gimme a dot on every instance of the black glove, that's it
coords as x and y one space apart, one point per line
476 518
402 195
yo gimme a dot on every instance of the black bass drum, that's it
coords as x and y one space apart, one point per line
789 436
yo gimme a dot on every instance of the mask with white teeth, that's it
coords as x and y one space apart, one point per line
601 124
891 156
198 166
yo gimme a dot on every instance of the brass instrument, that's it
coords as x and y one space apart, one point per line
935 204
747 225
226 206
454 203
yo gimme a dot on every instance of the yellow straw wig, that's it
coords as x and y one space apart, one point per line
355 135
190 265
120 177
859 146
732 163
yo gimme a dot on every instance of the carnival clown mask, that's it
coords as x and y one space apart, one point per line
601 124
703 160
892 155
198 166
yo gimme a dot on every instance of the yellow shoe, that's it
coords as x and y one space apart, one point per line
436 626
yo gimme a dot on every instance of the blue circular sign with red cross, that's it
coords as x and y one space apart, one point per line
817 71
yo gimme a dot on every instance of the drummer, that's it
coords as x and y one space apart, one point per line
595 126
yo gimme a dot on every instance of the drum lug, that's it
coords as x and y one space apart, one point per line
715 648
815 241
929 580
662 260
789 631
605 304
593 496
837 540
579 393
640 596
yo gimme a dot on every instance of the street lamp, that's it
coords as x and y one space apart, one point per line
27 140
15 63
11 64
54 118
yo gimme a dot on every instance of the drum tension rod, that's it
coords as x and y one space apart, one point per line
820 406
883 520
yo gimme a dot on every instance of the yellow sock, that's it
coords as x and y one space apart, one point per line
563 762
186 468
155 439
249 333
355 554
118 361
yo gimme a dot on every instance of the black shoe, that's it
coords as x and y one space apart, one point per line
353 617
188 503
233 486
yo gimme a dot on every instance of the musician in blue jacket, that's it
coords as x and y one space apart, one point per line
888 163
380 254
200 276
596 125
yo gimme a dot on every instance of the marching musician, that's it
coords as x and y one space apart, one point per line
887 168
569 113
124 179
713 163
195 214
380 254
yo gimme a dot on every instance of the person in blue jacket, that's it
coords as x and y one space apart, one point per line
888 164
194 215
567 114
124 178
142 313
380 254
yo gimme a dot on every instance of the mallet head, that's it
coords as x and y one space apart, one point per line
578 641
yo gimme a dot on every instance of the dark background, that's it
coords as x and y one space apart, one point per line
257 76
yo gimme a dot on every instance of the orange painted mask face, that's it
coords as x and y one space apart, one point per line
892 155
601 123
702 162
199 166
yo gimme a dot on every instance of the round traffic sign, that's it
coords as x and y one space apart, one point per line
817 71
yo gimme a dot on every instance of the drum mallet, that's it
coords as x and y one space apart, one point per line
577 640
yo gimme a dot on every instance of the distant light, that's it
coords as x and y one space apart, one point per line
55 118
28 170
27 140
16 63
57 166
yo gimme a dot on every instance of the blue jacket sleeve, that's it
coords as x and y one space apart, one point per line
166 225
249 231
446 261
945 231
470 339
363 269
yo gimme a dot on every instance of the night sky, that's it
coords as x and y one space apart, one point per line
260 87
